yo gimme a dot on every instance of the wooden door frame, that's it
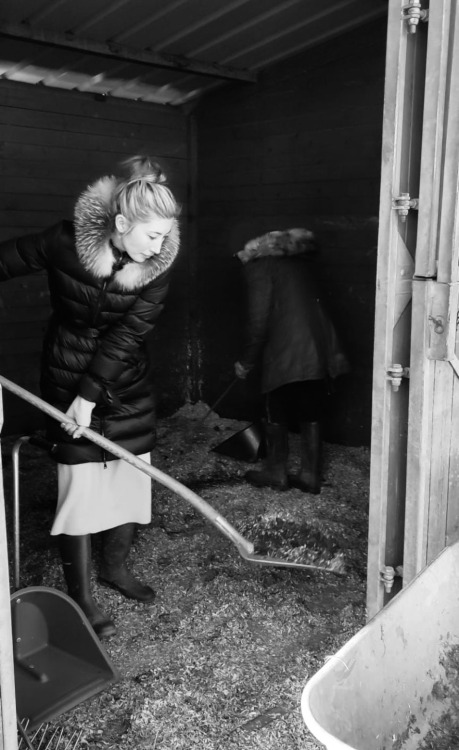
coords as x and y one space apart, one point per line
395 268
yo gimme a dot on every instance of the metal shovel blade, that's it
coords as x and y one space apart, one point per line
246 445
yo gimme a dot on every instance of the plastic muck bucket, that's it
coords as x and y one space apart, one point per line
395 684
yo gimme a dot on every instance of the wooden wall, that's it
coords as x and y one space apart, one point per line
52 144
302 147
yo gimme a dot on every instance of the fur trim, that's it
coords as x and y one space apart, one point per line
93 229
277 244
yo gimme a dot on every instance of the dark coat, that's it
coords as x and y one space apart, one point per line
288 330
103 305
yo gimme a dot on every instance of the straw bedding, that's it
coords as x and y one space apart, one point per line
221 657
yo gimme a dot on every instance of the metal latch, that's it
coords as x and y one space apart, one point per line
388 574
395 373
412 14
403 203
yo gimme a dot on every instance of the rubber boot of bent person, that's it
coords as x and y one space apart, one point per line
308 478
274 472
116 544
76 564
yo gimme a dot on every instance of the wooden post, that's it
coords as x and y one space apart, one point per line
7 686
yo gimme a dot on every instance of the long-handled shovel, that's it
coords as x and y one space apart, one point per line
246 444
243 545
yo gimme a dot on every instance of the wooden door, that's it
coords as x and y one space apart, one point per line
432 494
414 488
400 179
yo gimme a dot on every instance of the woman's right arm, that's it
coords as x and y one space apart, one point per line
27 254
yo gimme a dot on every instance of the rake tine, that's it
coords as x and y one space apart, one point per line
75 745
43 738
45 734
24 735
40 729
51 739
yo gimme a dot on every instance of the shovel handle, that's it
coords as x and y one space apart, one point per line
159 476
220 398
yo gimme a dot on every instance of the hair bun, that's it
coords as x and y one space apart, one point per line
142 168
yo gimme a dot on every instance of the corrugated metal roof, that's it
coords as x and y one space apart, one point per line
167 52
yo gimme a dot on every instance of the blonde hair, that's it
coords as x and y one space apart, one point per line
142 193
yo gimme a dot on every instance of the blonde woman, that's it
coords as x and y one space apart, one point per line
108 275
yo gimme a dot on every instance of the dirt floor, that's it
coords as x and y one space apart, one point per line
220 659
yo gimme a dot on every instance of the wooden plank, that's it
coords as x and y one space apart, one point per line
31 218
448 230
452 521
41 98
41 312
24 346
305 146
74 123
441 448
419 438
121 52
33 203
17 331
167 143
359 201
433 130
282 94
317 118
70 171
54 187
7 686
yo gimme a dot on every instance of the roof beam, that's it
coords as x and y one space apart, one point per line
120 52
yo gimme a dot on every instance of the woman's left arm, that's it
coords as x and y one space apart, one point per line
121 340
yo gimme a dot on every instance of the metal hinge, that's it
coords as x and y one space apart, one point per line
412 14
395 373
403 203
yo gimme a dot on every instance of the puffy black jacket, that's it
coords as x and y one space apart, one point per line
102 308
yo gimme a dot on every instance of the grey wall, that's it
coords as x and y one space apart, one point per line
302 147
54 143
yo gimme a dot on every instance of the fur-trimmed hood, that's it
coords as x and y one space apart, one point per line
298 241
93 229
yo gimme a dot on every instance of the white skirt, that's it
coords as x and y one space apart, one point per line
93 497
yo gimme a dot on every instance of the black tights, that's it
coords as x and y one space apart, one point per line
298 402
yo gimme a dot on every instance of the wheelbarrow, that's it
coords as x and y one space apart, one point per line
395 683
58 659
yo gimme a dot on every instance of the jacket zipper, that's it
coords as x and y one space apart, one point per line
97 309
99 301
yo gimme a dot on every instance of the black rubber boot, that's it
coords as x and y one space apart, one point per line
116 544
274 472
308 477
76 564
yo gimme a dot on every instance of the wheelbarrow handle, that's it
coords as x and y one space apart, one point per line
159 476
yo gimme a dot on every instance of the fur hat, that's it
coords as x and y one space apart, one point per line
297 241
93 229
